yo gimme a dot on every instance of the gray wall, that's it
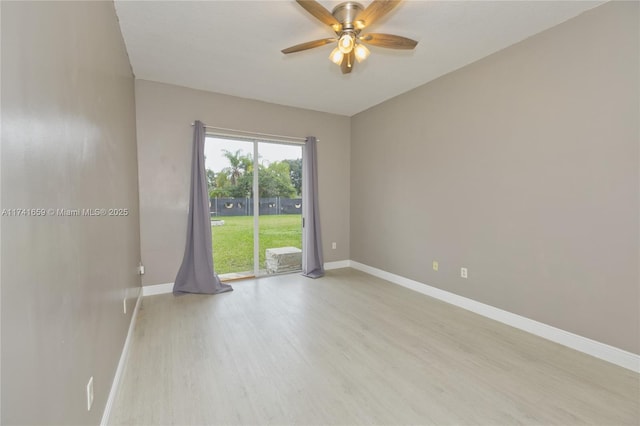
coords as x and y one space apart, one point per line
164 117
522 167
68 141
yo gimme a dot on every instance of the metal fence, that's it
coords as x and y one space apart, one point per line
220 207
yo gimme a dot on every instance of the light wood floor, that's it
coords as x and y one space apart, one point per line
353 349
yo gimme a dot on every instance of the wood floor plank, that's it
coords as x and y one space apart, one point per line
353 349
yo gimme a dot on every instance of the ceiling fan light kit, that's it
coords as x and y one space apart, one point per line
347 20
361 52
336 56
346 42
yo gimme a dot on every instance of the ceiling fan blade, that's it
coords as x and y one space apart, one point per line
376 10
347 62
320 13
308 45
389 40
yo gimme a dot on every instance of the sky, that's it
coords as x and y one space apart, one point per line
269 152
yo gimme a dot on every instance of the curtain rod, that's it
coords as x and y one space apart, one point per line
240 133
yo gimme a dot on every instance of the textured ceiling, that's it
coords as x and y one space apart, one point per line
233 47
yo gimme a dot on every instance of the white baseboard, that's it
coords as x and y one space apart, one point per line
337 265
121 364
591 347
152 290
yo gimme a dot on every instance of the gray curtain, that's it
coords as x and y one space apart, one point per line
312 260
196 273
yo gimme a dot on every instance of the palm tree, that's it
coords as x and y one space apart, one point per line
238 164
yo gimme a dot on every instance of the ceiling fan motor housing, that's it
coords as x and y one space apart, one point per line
346 13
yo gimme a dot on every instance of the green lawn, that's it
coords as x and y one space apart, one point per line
233 241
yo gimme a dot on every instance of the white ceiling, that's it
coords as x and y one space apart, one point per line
233 47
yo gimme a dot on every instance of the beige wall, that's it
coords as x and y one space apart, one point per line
68 141
164 117
522 167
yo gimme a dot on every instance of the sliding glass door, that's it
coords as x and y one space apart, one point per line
256 206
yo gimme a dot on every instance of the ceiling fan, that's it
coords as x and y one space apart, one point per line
347 20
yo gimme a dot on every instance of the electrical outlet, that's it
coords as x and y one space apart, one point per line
435 265
124 305
334 246
90 393
141 269
463 273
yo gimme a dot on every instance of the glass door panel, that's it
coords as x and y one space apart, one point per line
229 168
280 208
